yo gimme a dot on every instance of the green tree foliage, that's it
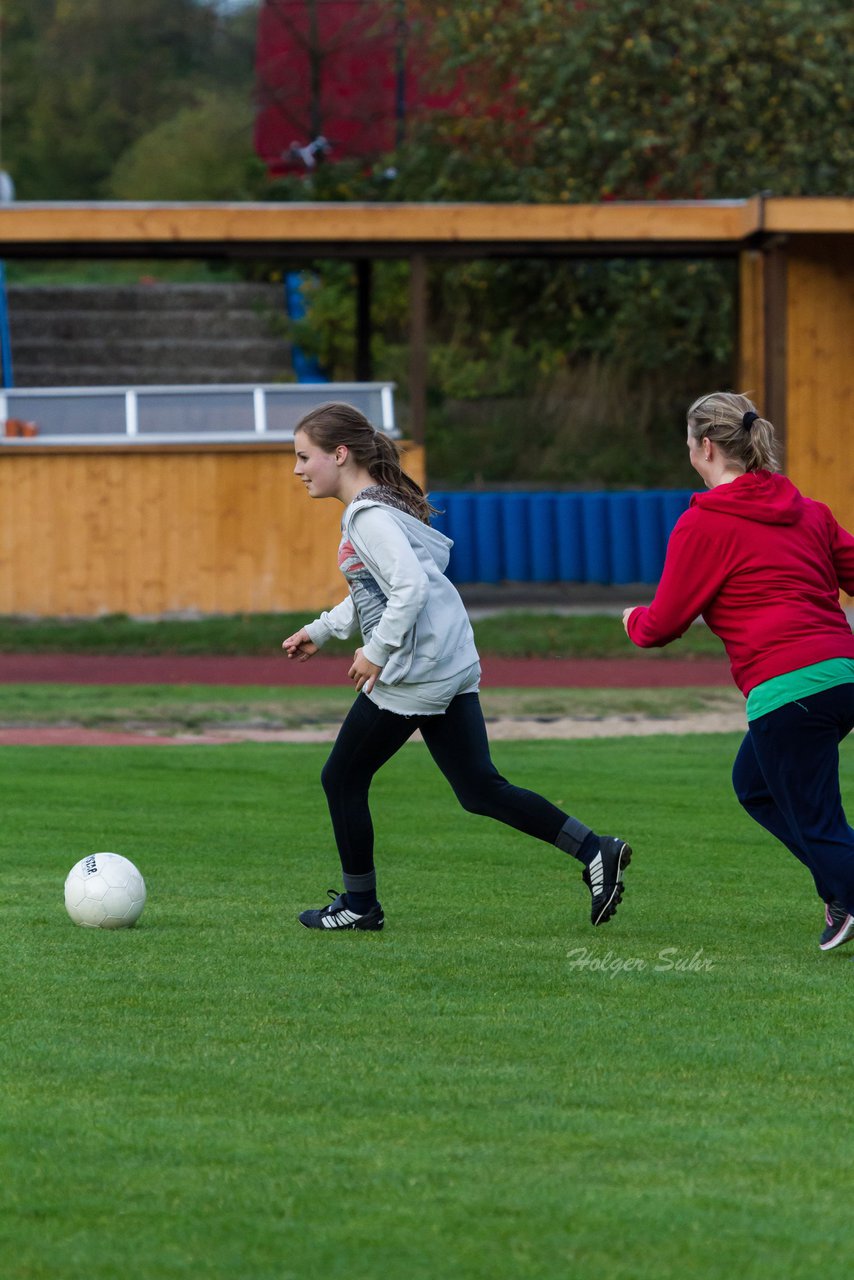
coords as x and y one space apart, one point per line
558 368
638 99
84 79
200 153
614 99
21 25
610 99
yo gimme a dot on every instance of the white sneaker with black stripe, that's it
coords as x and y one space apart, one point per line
840 926
339 916
604 877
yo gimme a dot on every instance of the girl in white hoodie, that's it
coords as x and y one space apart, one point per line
417 668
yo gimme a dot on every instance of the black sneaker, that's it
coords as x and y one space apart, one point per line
840 925
604 877
339 916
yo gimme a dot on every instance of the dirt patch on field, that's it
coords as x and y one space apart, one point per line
618 726
500 730
519 729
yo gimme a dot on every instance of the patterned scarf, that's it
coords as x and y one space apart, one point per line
388 496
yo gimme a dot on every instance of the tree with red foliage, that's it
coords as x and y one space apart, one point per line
336 79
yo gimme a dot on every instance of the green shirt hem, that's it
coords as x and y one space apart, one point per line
776 692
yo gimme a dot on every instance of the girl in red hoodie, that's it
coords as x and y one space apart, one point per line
764 565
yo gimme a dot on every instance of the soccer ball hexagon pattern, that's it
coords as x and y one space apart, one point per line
104 891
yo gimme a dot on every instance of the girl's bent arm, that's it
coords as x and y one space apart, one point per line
340 622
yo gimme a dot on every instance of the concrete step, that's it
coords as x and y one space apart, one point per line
155 297
81 335
123 351
73 326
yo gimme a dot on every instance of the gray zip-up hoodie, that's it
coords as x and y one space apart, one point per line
413 622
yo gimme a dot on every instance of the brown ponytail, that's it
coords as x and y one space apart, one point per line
330 425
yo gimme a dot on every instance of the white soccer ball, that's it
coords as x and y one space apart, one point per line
104 891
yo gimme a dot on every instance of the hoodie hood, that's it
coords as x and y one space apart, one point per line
434 543
763 496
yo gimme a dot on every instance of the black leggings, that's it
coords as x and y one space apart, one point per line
458 743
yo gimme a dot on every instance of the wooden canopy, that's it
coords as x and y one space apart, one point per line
704 227
796 293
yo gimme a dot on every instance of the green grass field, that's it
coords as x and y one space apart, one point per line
183 708
488 1089
513 635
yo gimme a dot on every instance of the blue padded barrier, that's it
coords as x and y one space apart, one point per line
569 535
651 536
594 520
457 521
516 523
622 539
544 536
607 538
673 505
490 543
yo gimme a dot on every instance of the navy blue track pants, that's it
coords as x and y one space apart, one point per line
786 775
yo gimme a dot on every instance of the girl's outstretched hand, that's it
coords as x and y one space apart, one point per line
363 673
300 646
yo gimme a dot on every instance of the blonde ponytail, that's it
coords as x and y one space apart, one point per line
733 423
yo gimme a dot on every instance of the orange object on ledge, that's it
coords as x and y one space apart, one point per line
17 427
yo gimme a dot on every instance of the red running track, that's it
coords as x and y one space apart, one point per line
527 673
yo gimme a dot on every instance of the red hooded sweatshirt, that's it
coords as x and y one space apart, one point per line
763 565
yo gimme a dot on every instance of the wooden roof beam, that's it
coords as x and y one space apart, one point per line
141 229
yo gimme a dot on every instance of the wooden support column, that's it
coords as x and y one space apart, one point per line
751 326
418 346
364 329
775 308
763 331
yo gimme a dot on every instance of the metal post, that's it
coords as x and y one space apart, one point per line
364 289
8 379
418 346
775 324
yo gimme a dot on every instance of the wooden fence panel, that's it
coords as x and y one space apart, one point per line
153 531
